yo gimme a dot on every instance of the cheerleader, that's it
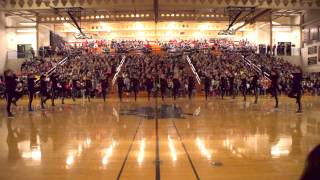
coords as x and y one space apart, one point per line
88 87
207 85
254 86
31 89
44 90
104 87
274 86
244 86
149 86
296 88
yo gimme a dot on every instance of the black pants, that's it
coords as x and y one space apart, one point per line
10 96
190 92
88 93
74 93
274 93
207 91
232 92
120 91
53 95
163 92
104 94
222 92
135 91
31 95
297 94
44 97
255 91
244 93
149 93
175 93
63 95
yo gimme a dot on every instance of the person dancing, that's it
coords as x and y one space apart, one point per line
191 85
121 85
207 85
10 85
255 87
231 85
296 88
176 87
163 86
43 90
274 86
64 84
244 87
149 86
104 87
135 86
88 87
31 89
74 87
223 85
54 87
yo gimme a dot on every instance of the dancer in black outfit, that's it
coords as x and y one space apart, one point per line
135 86
149 86
176 87
104 87
18 92
43 90
274 87
31 89
120 83
88 87
163 87
223 86
296 88
254 86
244 86
231 85
191 85
54 88
63 83
207 85
10 84
74 88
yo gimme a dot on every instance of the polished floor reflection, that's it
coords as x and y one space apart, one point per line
217 139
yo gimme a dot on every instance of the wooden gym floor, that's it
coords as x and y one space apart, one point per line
197 139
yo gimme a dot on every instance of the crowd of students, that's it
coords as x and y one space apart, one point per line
235 70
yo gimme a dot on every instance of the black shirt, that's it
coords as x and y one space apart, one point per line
43 86
207 82
120 83
104 84
223 82
274 81
254 82
191 83
54 82
149 84
231 81
31 83
11 83
296 81
88 84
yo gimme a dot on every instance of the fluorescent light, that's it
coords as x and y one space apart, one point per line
27 24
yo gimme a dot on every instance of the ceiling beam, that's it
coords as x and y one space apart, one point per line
15 14
156 10
75 21
250 21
